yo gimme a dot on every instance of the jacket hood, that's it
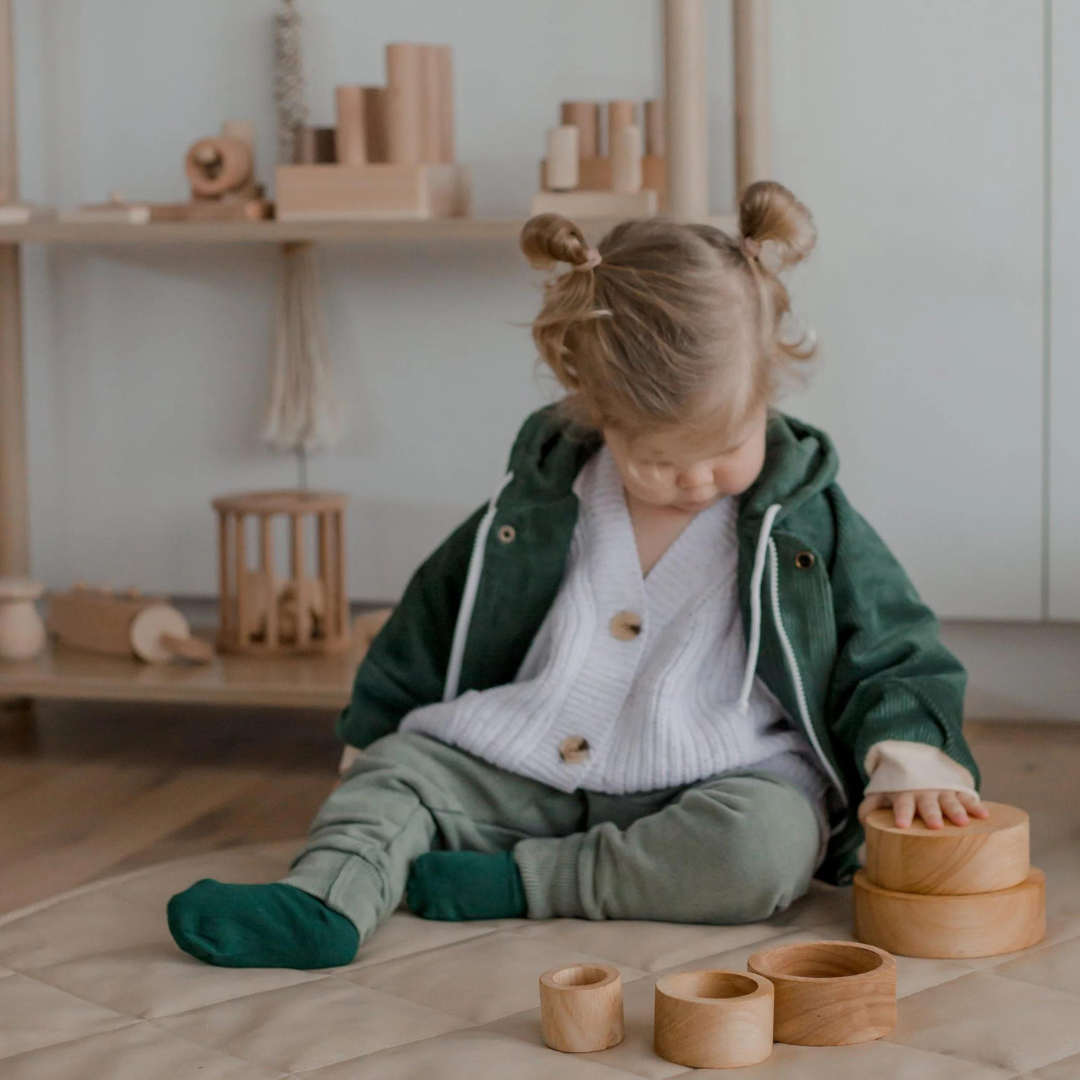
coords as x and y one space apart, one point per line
800 461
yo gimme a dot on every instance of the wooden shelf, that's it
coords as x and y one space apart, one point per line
279 232
318 682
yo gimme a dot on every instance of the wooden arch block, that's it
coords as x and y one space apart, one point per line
955 860
951 927
830 993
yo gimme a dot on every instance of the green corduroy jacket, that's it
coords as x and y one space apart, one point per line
846 644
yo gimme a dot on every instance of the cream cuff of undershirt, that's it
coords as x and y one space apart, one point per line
348 756
896 765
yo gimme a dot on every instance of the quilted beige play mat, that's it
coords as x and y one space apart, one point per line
92 988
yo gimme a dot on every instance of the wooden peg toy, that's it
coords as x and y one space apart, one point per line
22 633
581 1008
829 993
951 927
562 158
349 141
145 627
620 114
955 860
625 144
585 116
713 1019
405 103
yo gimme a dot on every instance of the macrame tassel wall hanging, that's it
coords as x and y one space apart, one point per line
303 413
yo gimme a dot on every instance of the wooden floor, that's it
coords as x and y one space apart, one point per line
90 789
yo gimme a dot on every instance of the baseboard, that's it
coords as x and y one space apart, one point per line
1018 671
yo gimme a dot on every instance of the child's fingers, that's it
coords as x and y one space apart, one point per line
871 803
972 804
929 808
903 803
954 808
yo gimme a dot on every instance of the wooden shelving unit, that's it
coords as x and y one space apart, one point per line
320 682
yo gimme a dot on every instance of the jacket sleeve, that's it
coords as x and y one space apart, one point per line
405 666
893 679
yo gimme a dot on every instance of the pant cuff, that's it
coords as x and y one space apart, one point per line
549 874
347 884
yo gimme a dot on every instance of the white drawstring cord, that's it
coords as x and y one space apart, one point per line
756 579
468 598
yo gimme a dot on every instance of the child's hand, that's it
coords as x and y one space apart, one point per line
929 805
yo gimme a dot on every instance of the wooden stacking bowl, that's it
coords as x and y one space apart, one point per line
951 927
581 1008
956 860
713 1019
830 993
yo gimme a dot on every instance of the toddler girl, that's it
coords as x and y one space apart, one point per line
655 675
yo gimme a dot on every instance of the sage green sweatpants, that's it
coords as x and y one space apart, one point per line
732 849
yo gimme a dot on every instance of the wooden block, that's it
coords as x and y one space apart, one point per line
375 124
829 993
562 158
620 114
713 1019
444 69
317 145
244 130
985 856
951 927
594 174
585 116
602 204
349 141
626 171
212 210
581 1008
387 191
654 127
429 104
404 103
106 214
218 165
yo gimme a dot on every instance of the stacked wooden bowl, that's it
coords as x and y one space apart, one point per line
954 892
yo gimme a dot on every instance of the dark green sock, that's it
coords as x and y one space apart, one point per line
457 886
260 926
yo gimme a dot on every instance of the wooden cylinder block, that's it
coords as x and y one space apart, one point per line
218 165
581 1008
626 158
349 140
830 993
316 146
378 150
951 927
562 158
585 116
620 114
713 1019
405 103
654 127
955 860
444 78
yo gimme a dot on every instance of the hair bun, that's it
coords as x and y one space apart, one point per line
770 215
550 238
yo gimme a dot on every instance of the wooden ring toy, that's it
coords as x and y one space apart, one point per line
581 1008
218 165
986 855
951 927
713 1019
829 993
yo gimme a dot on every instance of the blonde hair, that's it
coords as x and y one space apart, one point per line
671 324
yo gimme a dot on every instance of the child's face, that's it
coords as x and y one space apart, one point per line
667 469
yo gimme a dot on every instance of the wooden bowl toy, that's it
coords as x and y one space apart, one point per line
955 860
829 993
714 1019
581 1008
950 926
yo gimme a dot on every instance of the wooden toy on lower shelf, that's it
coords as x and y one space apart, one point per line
981 856
22 633
950 926
123 625
713 1019
263 610
581 1008
829 993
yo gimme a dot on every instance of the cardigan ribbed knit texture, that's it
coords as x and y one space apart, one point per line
657 710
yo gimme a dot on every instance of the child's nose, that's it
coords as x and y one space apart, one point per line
698 476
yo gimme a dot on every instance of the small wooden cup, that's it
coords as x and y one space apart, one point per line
713 1019
581 1008
955 860
830 993
952 927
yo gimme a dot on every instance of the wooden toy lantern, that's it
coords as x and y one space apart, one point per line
263 612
